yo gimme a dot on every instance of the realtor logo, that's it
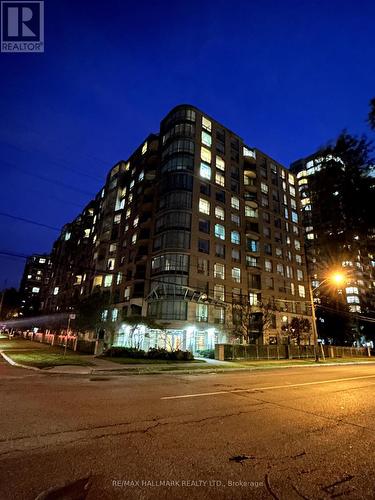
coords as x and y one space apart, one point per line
22 26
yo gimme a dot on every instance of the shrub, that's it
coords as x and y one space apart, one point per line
152 353
207 353
125 352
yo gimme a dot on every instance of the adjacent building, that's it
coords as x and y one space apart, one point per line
193 230
34 286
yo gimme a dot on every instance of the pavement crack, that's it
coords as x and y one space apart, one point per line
269 489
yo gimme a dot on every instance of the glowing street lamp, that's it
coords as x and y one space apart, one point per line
337 278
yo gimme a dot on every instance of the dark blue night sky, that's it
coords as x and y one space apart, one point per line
287 76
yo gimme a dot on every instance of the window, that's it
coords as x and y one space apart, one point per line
235 237
127 293
264 201
264 187
278 252
220 196
134 238
235 255
219 271
251 212
351 290
144 148
299 259
268 265
136 222
251 261
206 124
203 246
299 275
267 232
204 206
205 155
268 283
219 315
114 314
202 266
104 315
235 202
205 171
56 290
220 250
253 299
220 163
110 264
235 219
252 245
204 226
294 216
219 213
268 248
297 245
202 312
35 289
206 139
352 299
108 280
280 269
219 179
301 291
220 231
219 293
236 274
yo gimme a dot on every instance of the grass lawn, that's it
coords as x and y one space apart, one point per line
41 355
135 361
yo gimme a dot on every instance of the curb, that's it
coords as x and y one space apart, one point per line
18 365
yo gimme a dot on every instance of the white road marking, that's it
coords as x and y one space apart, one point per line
255 389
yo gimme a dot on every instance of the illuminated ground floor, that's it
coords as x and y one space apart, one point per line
191 338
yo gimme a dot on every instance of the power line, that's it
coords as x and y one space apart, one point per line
29 221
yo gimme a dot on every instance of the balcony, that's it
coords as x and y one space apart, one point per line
249 156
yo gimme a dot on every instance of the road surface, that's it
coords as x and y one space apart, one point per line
291 433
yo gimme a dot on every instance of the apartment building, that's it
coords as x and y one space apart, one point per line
355 256
34 286
192 228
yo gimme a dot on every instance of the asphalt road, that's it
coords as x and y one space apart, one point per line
284 434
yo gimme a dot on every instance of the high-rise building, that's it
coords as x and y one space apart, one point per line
349 252
34 286
194 228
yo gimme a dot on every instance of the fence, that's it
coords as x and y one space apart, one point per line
72 342
283 351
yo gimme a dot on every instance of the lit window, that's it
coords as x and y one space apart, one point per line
219 179
114 314
268 265
286 213
301 291
297 245
355 309
117 219
252 245
219 271
56 290
141 176
253 299
251 261
67 236
35 289
293 204
351 290
204 206
291 179
249 152
264 188
292 289
105 315
220 213
202 312
134 238
131 184
205 155
236 274
235 202
128 212
251 212
108 280
98 281
136 221
280 269
294 216
220 163
220 231
219 292
127 166
236 255
127 293
298 259
205 171
144 148
118 278
235 237
206 124
110 264
206 139
352 299
299 275
292 191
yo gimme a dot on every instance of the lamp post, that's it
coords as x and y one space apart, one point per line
337 278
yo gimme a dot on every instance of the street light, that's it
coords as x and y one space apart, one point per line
336 277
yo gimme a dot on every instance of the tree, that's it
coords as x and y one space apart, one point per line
10 301
371 115
89 310
136 324
249 322
298 330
